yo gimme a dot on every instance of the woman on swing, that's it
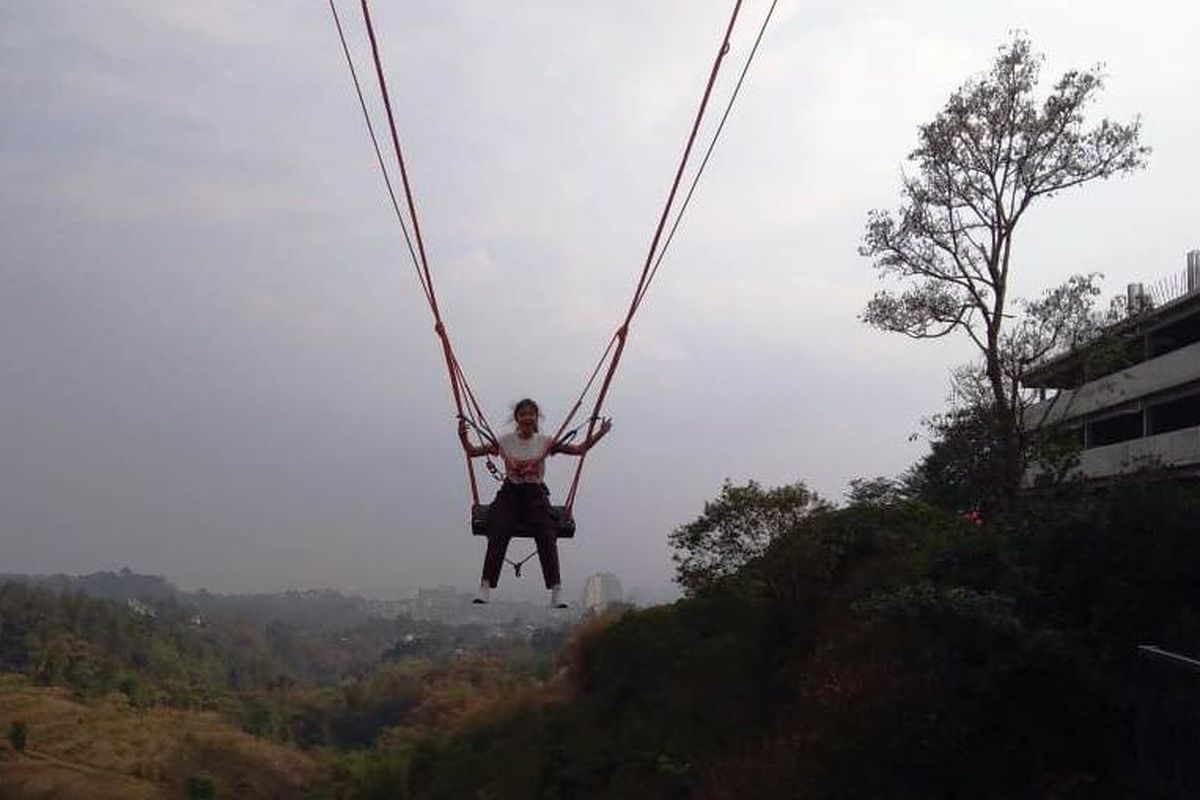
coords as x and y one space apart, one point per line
523 497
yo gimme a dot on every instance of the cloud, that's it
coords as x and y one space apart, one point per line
218 364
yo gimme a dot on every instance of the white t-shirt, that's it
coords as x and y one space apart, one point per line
524 459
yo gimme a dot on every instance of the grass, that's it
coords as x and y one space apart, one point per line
106 749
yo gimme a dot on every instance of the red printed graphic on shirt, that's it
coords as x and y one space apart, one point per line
521 471
524 459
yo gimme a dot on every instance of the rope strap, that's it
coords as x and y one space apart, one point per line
516 565
465 402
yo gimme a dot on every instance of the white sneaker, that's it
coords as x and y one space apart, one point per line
556 600
484 594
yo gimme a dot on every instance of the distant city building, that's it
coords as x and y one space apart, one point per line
440 594
600 591
1133 397
448 605
441 604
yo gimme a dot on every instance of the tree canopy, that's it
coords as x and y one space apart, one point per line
986 157
735 528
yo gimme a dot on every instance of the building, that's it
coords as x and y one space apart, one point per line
600 591
1133 396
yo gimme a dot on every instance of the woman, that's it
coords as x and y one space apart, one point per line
523 497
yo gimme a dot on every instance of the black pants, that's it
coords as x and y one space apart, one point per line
521 504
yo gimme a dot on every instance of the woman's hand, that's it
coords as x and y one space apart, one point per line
462 437
598 434
487 448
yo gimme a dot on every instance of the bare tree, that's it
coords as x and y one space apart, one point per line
981 163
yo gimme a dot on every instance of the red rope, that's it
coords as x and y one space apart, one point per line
387 180
408 195
466 404
458 382
579 400
711 145
644 278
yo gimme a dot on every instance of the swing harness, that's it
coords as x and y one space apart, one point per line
466 403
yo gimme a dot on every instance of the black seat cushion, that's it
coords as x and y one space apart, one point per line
564 522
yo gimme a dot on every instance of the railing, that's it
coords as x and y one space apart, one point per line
1165 290
1168 725
1157 294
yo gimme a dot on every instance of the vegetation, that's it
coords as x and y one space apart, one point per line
18 735
312 610
981 163
892 646
736 528
937 635
330 693
880 649
105 748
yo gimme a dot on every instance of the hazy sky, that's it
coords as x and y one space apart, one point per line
215 361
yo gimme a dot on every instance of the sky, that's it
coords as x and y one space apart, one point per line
216 363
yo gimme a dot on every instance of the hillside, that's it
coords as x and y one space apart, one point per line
109 749
310 610
114 701
886 649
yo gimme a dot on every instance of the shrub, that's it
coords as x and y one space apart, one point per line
18 735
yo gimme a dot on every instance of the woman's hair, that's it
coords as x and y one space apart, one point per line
526 403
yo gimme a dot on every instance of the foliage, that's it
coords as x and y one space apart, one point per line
889 648
314 610
735 528
885 649
963 469
18 735
103 748
96 646
875 491
986 157
201 787
649 696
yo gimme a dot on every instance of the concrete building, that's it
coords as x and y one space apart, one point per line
599 591
1134 395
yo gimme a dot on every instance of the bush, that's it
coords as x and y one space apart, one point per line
18 735
201 787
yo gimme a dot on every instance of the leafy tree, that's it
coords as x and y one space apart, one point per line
966 467
986 157
736 528
877 491
961 471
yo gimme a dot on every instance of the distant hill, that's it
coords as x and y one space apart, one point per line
146 697
307 610
120 586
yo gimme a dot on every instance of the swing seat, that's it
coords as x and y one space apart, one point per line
564 522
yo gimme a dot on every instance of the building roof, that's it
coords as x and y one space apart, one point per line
1063 371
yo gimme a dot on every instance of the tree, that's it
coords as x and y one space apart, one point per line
960 471
877 491
736 528
981 163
